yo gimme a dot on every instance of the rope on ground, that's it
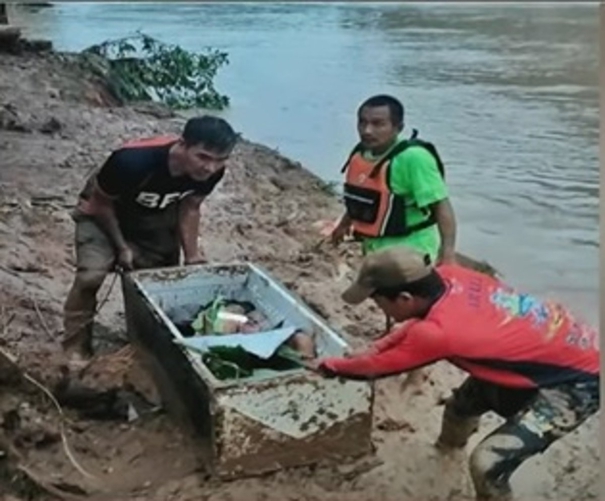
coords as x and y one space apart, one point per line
125 353
37 308
6 322
60 493
66 447
49 394
106 298
42 320
11 359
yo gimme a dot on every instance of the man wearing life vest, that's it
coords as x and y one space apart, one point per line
139 210
394 190
531 361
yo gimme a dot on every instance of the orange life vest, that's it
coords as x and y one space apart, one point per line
374 209
150 141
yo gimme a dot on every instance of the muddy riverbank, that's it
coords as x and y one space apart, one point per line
56 124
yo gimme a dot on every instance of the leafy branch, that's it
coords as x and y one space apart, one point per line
142 68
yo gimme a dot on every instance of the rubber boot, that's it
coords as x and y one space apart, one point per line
455 430
488 473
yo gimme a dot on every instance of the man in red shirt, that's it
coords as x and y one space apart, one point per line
529 361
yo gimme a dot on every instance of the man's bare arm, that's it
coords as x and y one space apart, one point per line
342 228
446 222
189 224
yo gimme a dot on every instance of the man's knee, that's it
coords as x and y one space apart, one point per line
489 471
90 280
496 458
82 295
95 254
489 474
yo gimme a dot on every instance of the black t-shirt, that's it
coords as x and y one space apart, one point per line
139 178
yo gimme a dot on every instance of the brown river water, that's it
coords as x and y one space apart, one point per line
508 92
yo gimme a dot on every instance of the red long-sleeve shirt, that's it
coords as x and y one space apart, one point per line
489 330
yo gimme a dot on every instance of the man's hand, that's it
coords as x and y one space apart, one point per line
312 364
446 222
126 258
189 225
356 352
446 257
340 232
199 258
315 365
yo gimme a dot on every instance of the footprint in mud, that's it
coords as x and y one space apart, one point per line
333 479
107 388
390 424
440 475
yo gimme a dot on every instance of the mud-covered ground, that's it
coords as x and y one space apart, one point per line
55 125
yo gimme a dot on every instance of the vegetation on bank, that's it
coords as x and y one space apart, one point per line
142 68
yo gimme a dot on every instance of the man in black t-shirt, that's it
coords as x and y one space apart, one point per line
139 210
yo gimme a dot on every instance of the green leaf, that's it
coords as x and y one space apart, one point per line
142 66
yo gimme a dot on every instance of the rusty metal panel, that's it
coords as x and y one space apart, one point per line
299 421
182 391
265 422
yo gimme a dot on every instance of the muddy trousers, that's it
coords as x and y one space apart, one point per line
534 420
95 259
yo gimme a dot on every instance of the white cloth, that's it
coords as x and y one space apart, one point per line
261 344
